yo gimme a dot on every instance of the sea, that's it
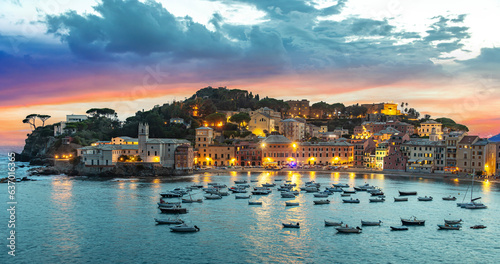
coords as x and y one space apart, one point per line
61 219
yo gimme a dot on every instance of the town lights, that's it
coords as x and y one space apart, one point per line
56 156
294 145
263 145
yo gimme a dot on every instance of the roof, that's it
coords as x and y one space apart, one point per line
468 140
431 122
277 139
423 142
481 142
289 120
166 141
495 138
328 143
205 128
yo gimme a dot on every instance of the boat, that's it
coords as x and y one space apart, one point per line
425 199
350 200
365 187
322 201
243 185
345 194
334 189
195 186
377 200
254 180
399 228
453 222
254 203
400 199
268 184
217 185
287 195
370 223
331 223
449 227
184 228
240 182
478 227
213 197
167 204
262 189
291 204
475 206
261 192
173 210
350 191
321 195
237 190
278 180
347 229
407 193
171 195
242 196
169 221
378 193
192 200
450 198
297 225
340 185
311 189
412 221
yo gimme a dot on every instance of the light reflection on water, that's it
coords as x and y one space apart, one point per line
78 221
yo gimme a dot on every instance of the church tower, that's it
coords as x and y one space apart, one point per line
143 137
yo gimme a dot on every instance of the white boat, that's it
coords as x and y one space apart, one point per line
332 223
474 205
453 222
291 204
311 189
401 199
449 227
364 187
297 225
322 201
450 198
347 229
340 185
321 195
169 221
184 228
242 196
287 195
350 200
254 203
376 200
425 199
370 223
268 184
412 221
213 197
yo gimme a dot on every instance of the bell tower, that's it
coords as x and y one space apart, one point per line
143 137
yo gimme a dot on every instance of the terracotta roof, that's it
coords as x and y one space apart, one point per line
468 140
277 139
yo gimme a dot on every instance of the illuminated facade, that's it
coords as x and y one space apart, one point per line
299 108
389 109
426 129
260 123
293 129
248 153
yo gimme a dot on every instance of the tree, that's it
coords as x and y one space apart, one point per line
240 119
105 112
44 118
31 119
216 118
427 117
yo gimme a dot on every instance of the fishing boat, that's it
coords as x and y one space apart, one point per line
290 225
449 227
254 203
184 228
242 196
370 223
453 222
399 228
332 223
449 198
350 200
377 200
173 210
213 197
291 204
401 193
400 199
322 201
347 229
425 199
169 221
412 221
478 227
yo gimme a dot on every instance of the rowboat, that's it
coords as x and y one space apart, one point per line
169 221
291 225
213 197
425 199
407 193
184 228
478 227
350 200
412 221
370 223
449 227
331 223
347 229
453 222
322 201
400 199
450 198
399 228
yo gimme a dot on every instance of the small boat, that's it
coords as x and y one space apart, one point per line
425 199
350 200
192 200
268 184
311 189
350 191
291 204
278 180
331 223
401 199
171 195
254 203
376 200
370 223
164 204
223 193
242 196
217 185
262 189
449 227
195 186
240 182
450 198
243 185
379 193
334 189
407 193
237 190
365 187
412 221
321 195
478 227
169 221
453 222
254 180
399 228
297 225
340 185
287 195
173 210
347 229
322 201
184 228
213 197
261 192
345 194
475 206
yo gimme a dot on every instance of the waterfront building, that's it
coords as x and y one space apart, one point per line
420 154
375 127
380 152
451 142
324 153
105 155
292 129
248 153
298 108
211 154
369 160
184 157
277 150
394 160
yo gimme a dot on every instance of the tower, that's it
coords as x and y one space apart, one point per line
143 137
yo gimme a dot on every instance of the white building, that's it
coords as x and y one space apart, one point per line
293 129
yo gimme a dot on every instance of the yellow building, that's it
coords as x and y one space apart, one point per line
426 129
261 122
390 109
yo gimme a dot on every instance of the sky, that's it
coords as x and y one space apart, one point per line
60 57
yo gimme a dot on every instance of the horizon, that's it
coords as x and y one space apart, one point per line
70 57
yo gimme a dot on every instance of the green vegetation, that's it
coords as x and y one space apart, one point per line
449 123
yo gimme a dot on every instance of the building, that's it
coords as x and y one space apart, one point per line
60 128
381 152
211 154
261 124
299 108
394 160
421 154
464 154
324 153
277 150
375 127
248 153
106 155
427 128
389 109
360 147
204 137
75 118
292 129
124 141
184 157
451 142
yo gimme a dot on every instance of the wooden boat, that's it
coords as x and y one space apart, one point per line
169 221
449 198
412 221
347 229
425 199
242 196
254 203
322 201
291 204
478 227
370 223
399 228
453 222
331 223
350 200
449 227
407 193
297 225
184 228
173 210
400 199
376 200
213 197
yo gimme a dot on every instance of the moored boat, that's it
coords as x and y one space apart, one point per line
321 195
449 227
453 222
184 228
240 182
173 210
261 192
425 199
254 203
322 201
376 200
449 198
347 229
399 228
400 199
169 221
350 200
290 225
192 200
291 204
287 195
341 185
412 221
345 194
242 196
478 227
407 193
371 223
213 197
332 223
